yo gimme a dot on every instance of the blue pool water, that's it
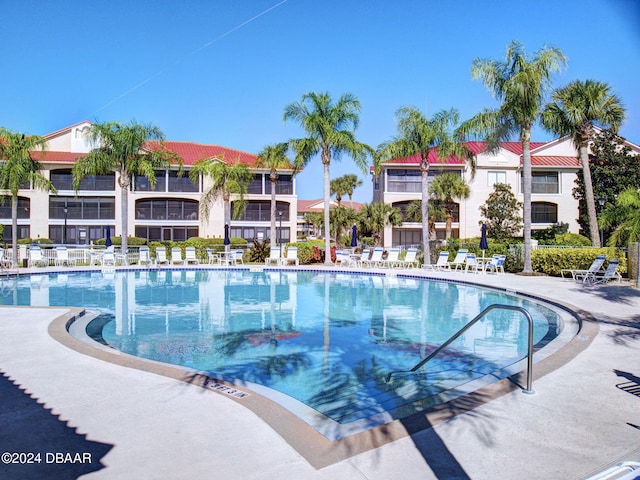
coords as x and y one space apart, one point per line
325 339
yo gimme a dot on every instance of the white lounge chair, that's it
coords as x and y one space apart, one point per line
376 258
410 259
108 258
460 260
292 256
36 259
393 257
143 256
62 257
274 256
610 275
495 265
176 256
441 264
237 257
342 258
597 266
161 256
471 264
190 256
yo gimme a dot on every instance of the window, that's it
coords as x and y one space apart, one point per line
180 184
404 180
166 209
496 177
7 233
169 233
23 207
284 185
62 179
544 182
83 208
260 211
255 186
544 212
142 184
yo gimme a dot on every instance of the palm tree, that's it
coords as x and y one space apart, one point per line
375 216
330 132
413 213
430 139
520 85
338 186
130 149
227 180
574 111
341 218
316 219
624 216
447 188
17 168
351 182
274 158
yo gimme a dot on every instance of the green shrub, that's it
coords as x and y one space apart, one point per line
552 260
572 239
132 241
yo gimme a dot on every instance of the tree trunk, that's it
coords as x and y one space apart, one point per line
14 231
327 226
588 196
424 182
526 193
124 210
273 235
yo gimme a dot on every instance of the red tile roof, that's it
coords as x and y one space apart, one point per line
554 161
58 157
192 152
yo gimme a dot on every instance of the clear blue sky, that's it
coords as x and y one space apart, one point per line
221 72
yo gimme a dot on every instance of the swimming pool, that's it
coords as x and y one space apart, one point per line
316 341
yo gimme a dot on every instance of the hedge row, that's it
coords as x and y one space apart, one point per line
552 260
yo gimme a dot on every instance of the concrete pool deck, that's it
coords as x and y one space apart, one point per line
583 417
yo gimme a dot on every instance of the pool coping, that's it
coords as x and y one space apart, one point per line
317 449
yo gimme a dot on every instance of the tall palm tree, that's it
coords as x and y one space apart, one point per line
574 111
17 168
131 149
520 84
316 219
624 218
226 180
338 186
274 158
413 213
375 216
330 128
341 218
351 182
447 188
430 138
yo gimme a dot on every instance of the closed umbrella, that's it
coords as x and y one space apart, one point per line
484 245
354 236
227 241
108 241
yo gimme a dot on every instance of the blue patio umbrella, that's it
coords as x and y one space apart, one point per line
484 245
227 241
354 236
108 241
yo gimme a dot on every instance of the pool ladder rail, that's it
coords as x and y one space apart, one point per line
478 317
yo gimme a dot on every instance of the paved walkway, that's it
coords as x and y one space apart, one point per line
122 423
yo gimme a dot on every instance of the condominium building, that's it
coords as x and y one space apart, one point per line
554 168
168 211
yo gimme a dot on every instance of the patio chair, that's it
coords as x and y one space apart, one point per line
143 256
62 257
274 256
471 263
176 256
292 256
36 259
161 256
109 258
410 259
393 257
441 264
460 260
495 265
236 257
342 258
611 274
190 256
376 258
596 266
213 257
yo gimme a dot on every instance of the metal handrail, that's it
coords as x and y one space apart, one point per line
469 325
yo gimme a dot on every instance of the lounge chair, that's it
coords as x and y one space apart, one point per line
410 259
176 256
237 257
376 258
610 274
143 256
292 256
274 256
460 260
5 263
109 258
471 264
597 266
393 257
62 257
36 259
495 265
441 264
190 256
161 256
213 257
342 258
